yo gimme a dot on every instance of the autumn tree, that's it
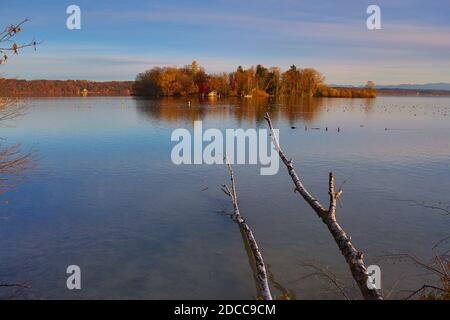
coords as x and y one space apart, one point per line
148 83
309 80
290 81
274 81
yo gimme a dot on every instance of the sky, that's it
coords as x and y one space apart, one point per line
119 39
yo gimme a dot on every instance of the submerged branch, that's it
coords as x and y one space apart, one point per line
328 275
261 273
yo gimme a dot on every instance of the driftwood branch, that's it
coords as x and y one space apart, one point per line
261 273
353 257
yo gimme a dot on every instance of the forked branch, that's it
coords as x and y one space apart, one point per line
353 257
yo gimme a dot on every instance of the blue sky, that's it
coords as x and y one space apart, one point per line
118 39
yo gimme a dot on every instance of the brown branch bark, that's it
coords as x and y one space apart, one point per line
261 273
353 257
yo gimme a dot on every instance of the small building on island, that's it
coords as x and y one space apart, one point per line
212 94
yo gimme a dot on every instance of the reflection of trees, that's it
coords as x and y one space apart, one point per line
14 162
241 110
368 105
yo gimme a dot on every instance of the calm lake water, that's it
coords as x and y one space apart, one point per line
105 196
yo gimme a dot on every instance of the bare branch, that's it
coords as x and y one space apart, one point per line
415 203
353 257
418 261
331 277
261 275
425 286
12 47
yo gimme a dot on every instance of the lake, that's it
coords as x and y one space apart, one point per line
105 195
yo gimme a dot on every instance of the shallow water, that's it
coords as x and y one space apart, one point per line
105 196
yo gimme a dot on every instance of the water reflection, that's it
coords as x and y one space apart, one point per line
249 110
110 199
15 161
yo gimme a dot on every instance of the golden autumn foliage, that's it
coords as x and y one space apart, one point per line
324 91
256 81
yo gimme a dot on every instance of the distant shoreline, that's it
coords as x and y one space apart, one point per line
413 93
74 88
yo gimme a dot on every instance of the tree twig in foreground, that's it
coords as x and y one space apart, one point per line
261 273
353 257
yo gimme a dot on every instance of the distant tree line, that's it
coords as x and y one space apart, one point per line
62 88
254 81
192 80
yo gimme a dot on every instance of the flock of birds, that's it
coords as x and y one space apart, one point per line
437 111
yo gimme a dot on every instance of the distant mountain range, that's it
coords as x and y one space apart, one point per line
426 86
407 86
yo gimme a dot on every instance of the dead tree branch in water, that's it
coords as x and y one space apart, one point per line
414 203
353 257
286 294
439 266
261 275
423 288
329 276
